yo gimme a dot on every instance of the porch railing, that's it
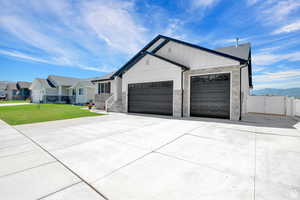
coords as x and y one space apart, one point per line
109 102
57 99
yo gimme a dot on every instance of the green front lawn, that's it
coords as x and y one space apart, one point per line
25 114
14 101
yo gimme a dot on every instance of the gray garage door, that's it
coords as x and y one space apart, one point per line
152 98
210 96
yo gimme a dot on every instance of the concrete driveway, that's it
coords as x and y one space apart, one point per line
132 157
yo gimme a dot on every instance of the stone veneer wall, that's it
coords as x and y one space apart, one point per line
124 102
235 88
100 100
177 99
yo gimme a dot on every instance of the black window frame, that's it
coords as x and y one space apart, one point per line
104 88
80 91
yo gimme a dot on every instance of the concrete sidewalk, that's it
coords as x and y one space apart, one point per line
14 104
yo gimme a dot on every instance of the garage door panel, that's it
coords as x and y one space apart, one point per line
152 91
149 93
152 98
210 96
209 85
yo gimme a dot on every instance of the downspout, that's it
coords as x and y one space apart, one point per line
242 66
182 93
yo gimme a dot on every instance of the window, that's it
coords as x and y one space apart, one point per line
80 91
74 92
14 92
103 88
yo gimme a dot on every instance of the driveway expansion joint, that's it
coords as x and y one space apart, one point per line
77 175
43 197
23 170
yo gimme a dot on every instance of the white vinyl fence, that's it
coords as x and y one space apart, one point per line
297 107
278 105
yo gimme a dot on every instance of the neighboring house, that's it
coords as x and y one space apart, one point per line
82 92
63 84
3 86
23 90
173 77
12 91
40 88
61 89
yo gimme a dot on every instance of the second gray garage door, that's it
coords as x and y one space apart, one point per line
152 98
210 96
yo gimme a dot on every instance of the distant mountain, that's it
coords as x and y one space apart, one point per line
291 92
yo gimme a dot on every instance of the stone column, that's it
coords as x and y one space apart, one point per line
177 106
235 95
124 102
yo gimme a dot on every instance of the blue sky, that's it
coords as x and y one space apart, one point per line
88 38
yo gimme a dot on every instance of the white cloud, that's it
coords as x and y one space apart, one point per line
203 3
29 34
274 12
252 2
279 10
280 85
281 79
266 58
174 29
288 28
77 34
277 76
258 69
114 23
52 61
24 56
99 69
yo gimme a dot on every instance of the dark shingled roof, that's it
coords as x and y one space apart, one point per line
84 82
241 51
45 83
105 77
23 84
62 80
12 86
3 85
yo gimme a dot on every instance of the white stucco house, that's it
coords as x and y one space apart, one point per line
173 77
41 87
61 89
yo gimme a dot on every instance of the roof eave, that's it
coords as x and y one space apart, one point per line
101 80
